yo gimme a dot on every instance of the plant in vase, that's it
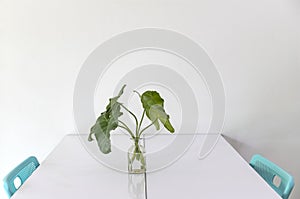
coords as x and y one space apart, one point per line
109 120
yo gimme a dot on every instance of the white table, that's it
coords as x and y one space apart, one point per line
221 174
70 172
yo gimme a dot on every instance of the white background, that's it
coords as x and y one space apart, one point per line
254 44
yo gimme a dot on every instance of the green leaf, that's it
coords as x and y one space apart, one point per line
106 122
154 107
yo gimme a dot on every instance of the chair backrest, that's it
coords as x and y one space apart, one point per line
281 181
21 173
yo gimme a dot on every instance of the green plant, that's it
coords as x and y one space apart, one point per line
109 120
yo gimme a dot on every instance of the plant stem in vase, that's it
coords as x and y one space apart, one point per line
136 157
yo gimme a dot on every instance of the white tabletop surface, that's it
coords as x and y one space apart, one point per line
71 172
221 174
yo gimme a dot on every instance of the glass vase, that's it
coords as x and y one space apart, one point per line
136 157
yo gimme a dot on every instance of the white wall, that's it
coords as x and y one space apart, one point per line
255 45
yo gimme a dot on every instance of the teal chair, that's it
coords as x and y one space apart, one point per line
277 178
20 174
